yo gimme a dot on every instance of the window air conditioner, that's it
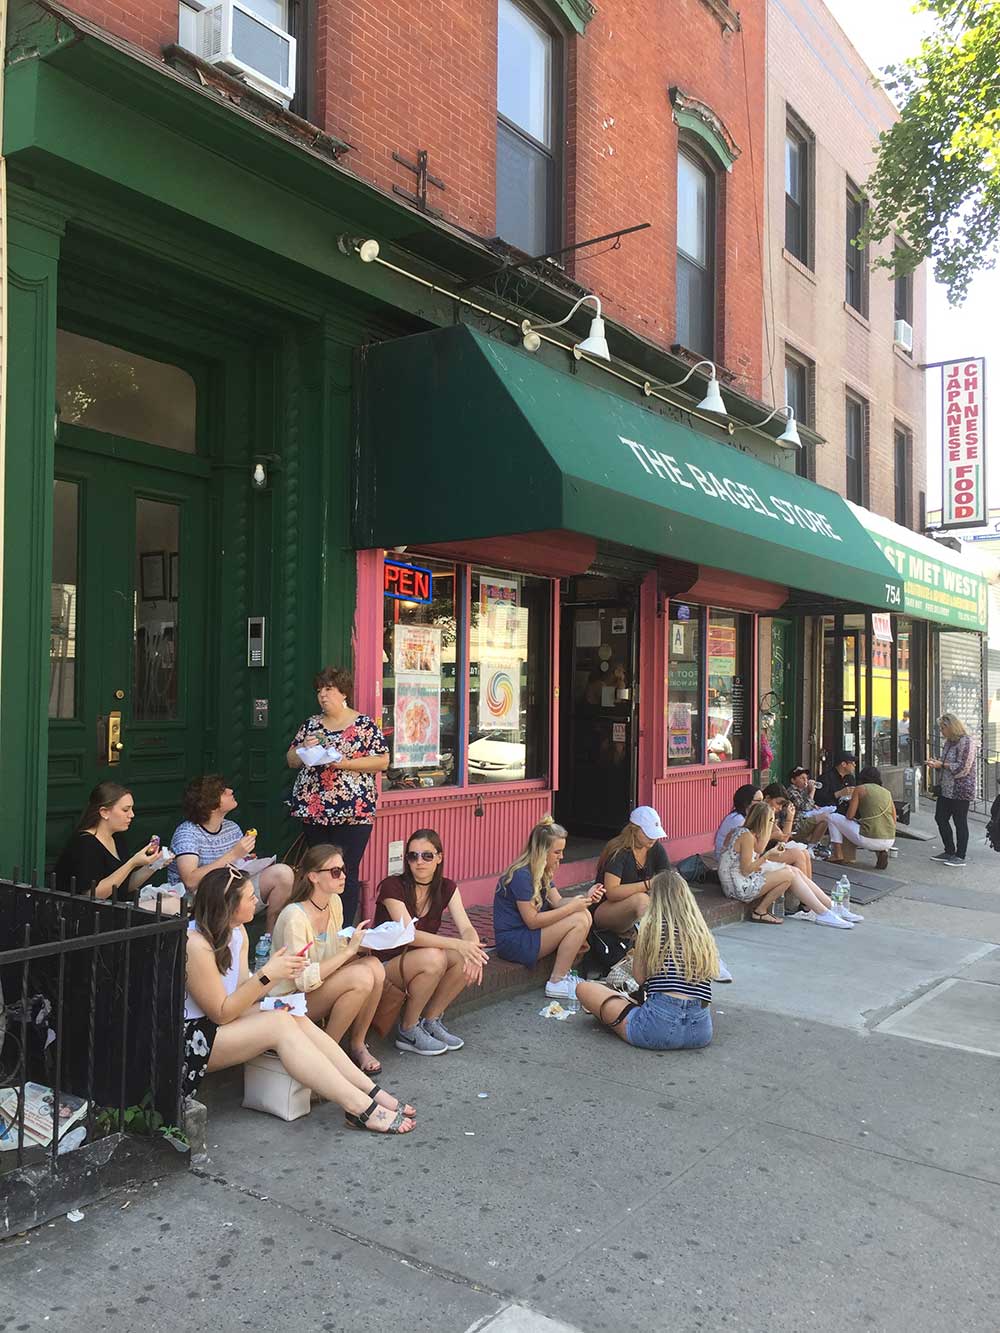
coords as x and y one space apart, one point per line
233 37
902 335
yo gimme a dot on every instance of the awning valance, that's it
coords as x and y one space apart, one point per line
462 437
938 584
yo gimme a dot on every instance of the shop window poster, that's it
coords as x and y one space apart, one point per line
417 650
679 738
500 696
416 737
498 614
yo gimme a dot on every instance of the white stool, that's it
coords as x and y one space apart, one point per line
268 1086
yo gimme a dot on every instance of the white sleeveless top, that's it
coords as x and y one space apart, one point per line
230 978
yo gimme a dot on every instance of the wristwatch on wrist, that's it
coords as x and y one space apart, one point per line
263 978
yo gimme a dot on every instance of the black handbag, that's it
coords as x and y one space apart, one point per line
604 950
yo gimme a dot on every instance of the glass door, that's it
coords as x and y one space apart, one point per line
128 636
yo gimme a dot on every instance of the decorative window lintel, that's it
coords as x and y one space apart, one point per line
729 19
699 119
577 13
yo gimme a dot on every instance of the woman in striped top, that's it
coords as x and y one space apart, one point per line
675 956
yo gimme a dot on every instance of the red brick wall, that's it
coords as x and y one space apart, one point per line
392 75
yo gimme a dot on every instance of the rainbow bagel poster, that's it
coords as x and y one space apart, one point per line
500 696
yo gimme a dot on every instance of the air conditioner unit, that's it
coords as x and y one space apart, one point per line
902 335
233 37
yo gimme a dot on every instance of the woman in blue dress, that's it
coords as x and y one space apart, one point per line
530 918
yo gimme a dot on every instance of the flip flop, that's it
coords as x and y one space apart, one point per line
359 1055
766 919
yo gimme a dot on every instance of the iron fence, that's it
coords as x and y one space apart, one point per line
91 1008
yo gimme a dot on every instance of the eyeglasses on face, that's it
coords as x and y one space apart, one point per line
338 872
420 856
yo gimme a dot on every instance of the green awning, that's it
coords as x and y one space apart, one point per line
938 584
462 437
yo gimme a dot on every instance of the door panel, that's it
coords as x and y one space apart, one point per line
128 635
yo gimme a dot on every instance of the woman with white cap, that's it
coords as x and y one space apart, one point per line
625 867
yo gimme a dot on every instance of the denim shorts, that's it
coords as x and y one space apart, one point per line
668 1023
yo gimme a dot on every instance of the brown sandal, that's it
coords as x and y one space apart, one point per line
766 919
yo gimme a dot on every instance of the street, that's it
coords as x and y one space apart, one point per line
812 1169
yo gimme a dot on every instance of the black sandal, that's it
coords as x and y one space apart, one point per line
361 1121
766 919
409 1111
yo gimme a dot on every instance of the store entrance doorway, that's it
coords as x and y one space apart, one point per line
846 688
598 705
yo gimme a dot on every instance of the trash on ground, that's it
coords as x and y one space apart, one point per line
482 1095
554 1010
74 1215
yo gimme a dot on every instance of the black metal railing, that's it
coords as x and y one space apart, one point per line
91 1008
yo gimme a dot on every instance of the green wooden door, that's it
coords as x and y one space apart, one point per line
782 702
129 571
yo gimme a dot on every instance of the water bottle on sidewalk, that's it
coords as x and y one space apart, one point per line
262 953
841 894
571 1004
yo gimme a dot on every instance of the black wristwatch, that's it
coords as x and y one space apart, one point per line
263 978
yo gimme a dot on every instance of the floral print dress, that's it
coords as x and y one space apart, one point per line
328 795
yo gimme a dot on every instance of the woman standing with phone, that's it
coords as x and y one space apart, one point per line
957 770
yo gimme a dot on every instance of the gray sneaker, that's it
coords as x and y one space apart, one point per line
943 857
419 1042
440 1033
954 860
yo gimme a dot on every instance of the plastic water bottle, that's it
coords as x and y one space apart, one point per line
262 953
572 1004
842 891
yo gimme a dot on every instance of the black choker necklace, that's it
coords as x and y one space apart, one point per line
318 907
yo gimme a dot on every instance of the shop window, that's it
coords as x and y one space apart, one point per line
904 639
420 662
728 730
685 668
65 595
508 677
696 196
528 118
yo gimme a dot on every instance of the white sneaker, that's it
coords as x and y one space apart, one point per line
802 915
561 990
724 973
845 913
829 918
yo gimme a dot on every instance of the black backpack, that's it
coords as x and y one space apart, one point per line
993 826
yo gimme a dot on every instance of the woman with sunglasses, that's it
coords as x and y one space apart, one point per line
224 1026
435 968
342 989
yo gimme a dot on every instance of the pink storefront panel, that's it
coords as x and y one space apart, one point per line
692 803
477 847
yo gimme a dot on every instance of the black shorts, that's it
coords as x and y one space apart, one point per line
199 1038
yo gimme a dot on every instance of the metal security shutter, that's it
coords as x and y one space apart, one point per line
960 686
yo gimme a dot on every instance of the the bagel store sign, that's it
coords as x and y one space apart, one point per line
963 430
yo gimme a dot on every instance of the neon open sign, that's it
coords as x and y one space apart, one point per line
407 583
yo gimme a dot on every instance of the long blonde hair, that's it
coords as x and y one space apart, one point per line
759 820
627 840
535 854
952 727
673 928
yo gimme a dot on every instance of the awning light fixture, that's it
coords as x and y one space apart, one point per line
595 343
789 437
366 250
712 402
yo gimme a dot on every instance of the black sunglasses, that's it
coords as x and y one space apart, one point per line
338 872
420 856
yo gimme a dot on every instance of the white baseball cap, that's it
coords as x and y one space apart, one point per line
646 818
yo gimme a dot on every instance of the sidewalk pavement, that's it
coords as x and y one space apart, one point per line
807 1171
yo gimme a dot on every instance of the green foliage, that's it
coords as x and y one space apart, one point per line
936 184
141 1119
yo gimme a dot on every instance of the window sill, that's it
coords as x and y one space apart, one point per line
682 771
857 315
907 358
798 265
468 795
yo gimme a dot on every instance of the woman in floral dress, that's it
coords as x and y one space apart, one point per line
336 800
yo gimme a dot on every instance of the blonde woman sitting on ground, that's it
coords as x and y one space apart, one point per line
750 874
675 958
530 918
